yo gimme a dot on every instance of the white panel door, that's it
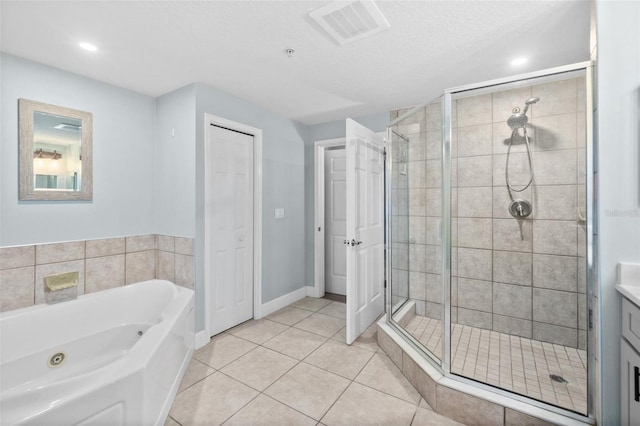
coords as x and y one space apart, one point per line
335 172
229 249
365 228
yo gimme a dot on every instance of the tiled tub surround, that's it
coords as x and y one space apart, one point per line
101 264
521 277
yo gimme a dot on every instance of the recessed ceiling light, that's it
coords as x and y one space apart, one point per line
519 61
87 46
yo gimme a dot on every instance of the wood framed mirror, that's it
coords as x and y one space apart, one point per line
56 146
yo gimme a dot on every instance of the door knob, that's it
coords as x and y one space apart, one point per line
352 243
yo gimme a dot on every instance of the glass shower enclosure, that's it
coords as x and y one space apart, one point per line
400 219
490 218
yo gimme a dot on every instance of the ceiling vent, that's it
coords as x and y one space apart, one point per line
349 21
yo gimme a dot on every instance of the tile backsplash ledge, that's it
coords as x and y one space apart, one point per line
101 265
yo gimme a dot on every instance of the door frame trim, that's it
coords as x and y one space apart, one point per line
319 261
210 119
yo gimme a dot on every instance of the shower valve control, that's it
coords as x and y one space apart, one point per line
520 209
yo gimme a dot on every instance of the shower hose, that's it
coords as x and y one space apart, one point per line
511 188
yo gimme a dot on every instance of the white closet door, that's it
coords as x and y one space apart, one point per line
229 257
335 171
365 228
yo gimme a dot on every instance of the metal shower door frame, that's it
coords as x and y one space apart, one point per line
593 343
389 306
593 291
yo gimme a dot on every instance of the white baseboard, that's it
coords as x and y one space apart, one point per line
312 291
202 338
282 301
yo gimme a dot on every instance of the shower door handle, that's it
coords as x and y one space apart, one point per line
636 387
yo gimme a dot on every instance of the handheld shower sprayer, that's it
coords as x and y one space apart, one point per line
519 209
519 118
528 103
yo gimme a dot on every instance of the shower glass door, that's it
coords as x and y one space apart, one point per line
416 136
399 235
518 316
491 239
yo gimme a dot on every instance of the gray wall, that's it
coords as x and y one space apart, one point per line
175 161
123 146
618 112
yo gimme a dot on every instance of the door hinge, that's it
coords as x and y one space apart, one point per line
590 319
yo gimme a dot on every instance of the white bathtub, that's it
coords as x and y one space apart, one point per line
126 350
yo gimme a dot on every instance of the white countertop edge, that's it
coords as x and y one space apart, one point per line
631 292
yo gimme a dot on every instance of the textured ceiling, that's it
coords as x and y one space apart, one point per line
154 47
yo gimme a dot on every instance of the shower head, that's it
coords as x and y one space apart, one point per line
520 119
517 120
529 102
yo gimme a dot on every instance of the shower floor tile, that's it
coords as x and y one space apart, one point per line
510 362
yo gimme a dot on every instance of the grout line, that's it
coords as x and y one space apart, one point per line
542 359
334 402
298 362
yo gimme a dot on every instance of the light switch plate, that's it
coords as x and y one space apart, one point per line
279 213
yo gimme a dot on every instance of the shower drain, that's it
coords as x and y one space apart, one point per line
57 359
557 378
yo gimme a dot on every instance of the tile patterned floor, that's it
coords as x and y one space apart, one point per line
514 363
293 368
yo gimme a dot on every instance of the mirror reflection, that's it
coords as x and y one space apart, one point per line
57 158
56 145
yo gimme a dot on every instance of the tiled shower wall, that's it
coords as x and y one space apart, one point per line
101 264
522 277
416 209
400 222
